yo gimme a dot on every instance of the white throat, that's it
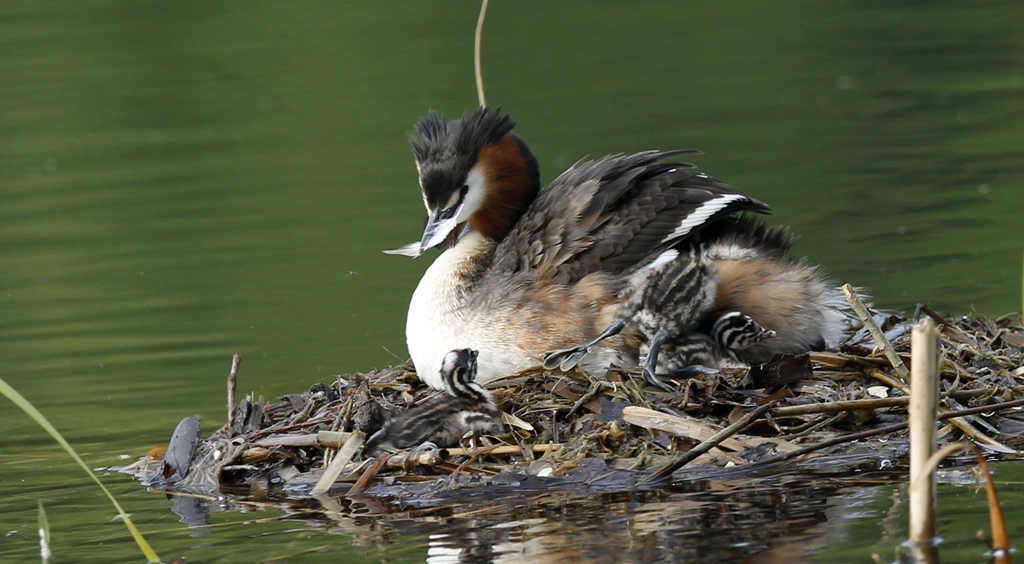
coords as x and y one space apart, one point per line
437 321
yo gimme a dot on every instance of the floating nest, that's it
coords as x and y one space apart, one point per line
821 413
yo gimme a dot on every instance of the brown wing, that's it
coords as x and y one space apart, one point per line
614 215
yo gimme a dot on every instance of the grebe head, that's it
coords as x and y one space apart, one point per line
458 372
736 331
472 169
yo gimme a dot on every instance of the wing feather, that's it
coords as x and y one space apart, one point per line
615 215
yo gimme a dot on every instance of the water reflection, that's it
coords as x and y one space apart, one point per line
777 521
733 522
782 519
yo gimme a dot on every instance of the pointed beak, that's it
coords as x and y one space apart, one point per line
440 224
410 250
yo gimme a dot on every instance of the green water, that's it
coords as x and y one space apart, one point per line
180 182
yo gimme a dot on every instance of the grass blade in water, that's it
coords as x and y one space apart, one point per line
34 413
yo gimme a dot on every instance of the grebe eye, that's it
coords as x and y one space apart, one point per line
457 197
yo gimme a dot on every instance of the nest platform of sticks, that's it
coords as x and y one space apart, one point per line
830 412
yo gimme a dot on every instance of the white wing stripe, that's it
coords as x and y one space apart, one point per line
663 259
701 215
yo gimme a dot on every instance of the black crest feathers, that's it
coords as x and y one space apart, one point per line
438 139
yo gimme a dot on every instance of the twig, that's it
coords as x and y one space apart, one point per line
839 359
888 380
894 428
991 408
344 456
368 475
476 54
665 473
965 426
279 427
832 442
473 455
927 310
232 385
865 316
814 426
410 459
833 407
502 449
864 404
594 390
977 436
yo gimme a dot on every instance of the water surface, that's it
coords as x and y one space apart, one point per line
183 182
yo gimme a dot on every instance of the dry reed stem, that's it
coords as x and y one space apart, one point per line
344 456
837 406
925 549
865 316
1000 538
326 439
477 67
232 386
924 405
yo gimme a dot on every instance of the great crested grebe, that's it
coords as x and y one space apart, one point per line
465 408
529 270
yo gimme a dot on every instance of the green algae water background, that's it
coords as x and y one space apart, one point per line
180 182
